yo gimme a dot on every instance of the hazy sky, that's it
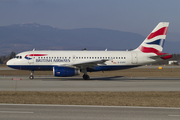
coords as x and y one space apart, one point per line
138 16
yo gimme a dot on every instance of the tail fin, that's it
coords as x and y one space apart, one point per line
155 40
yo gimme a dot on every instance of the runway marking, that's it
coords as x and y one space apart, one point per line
16 112
174 115
93 106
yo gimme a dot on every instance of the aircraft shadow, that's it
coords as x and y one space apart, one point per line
114 78
94 78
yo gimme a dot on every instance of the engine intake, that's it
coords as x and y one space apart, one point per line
65 71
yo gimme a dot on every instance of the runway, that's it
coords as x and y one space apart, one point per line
65 112
118 83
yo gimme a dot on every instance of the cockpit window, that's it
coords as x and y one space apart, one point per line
18 57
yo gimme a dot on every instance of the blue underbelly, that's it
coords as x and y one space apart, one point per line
50 67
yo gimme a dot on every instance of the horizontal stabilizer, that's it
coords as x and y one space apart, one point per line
162 56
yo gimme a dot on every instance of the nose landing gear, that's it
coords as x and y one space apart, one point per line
31 75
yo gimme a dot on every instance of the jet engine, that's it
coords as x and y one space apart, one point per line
65 71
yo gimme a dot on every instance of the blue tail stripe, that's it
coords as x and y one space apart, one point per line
157 42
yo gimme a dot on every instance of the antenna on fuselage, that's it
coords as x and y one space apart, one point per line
106 49
84 49
34 49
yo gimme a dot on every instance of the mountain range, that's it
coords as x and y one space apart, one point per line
27 36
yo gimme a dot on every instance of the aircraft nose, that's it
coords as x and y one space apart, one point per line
9 62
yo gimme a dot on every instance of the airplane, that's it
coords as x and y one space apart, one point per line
71 63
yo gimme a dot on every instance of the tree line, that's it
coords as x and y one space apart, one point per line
5 58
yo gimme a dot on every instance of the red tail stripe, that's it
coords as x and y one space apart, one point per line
149 50
162 31
152 50
167 57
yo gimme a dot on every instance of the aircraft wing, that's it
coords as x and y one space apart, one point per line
89 64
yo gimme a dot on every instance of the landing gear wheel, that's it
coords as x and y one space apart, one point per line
86 77
31 77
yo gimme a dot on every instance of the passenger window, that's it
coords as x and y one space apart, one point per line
124 57
20 57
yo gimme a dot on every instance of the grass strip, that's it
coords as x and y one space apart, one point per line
151 99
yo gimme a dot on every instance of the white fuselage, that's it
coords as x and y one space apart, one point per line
45 60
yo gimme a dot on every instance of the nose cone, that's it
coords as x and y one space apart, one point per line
9 62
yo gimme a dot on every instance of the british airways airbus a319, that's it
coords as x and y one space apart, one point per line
71 63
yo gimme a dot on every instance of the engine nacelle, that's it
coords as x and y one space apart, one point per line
65 71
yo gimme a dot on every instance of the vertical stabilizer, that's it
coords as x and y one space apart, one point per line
155 41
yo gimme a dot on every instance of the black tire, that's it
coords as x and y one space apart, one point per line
31 77
86 77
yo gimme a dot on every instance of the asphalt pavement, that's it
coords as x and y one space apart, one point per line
69 112
118 83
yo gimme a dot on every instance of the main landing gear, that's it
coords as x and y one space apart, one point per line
85 76
31 75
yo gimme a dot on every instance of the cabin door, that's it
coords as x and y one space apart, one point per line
134 58
30 58
73 58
